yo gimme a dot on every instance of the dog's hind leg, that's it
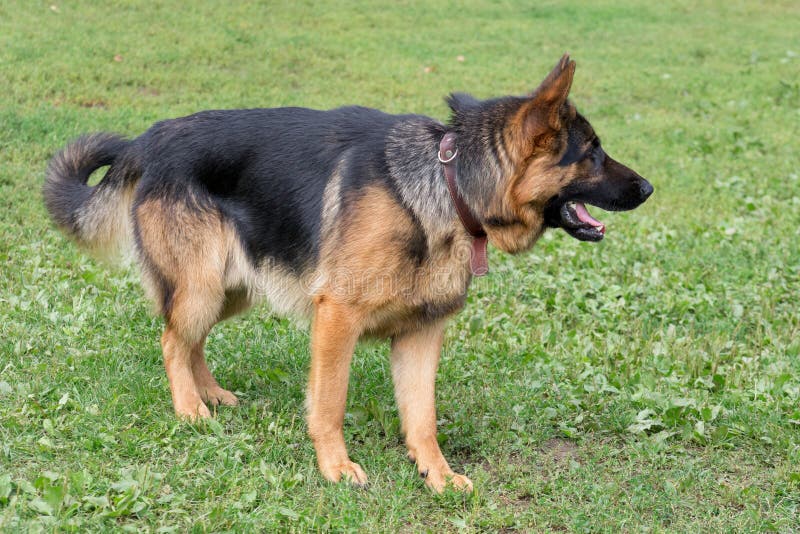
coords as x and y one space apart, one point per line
183 251
194 309
236 301
415 358
334 333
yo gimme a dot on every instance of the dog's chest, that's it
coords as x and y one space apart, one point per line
416 295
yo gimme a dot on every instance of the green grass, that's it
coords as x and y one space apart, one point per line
647 383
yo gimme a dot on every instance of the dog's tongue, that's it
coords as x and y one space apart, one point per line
583 215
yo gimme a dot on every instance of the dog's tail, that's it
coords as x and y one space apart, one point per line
96 217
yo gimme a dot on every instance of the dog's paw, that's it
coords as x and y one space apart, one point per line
349 471
192 411
438 480
216 396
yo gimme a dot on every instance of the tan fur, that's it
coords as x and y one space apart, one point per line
186 397
415 358
105 225
366 284
207 386
528 150
372 286
334 334
201 258
365 265
187 249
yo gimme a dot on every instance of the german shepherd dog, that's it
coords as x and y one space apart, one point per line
360 222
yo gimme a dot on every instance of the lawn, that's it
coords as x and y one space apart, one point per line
650 382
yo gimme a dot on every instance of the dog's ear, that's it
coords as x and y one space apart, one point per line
554 89
461 101
541 113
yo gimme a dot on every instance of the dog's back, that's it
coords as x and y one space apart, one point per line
266 170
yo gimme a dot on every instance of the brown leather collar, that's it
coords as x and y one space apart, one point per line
478 261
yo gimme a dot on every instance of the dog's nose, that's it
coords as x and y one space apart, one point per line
645 189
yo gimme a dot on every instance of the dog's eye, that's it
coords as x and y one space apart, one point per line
594 152
596 155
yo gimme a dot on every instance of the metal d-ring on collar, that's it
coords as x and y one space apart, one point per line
451 155
478 261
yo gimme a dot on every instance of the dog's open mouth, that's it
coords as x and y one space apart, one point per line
576 220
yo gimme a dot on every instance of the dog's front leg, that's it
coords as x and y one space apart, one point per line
334 334
415 358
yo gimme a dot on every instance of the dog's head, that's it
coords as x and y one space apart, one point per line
534 162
